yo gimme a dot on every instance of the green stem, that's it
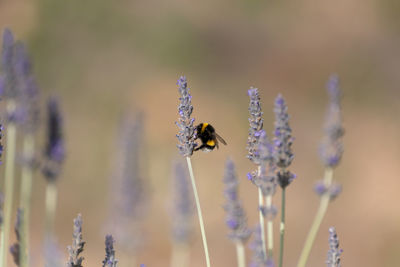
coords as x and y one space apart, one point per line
196 197
51 204
25 201
240 253
11 135
270 228
282 228
323 206
180 255
262 224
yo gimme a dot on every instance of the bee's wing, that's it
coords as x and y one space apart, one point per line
220 139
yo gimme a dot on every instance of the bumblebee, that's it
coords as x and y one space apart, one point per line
209 138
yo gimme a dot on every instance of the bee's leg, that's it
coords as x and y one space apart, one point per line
200 147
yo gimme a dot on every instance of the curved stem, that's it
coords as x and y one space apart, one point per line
11 136
196 197
25 198
282 228
240 253
323 206
270 228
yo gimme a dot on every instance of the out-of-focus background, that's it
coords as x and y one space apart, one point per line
105 58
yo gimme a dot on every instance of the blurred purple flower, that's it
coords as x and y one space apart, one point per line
333 257
331 148
7 65
74 251
283 142
333 190
236 219
15 248
183 208
259 259
52 253
186 134
55 150
128 188
256 124
110 260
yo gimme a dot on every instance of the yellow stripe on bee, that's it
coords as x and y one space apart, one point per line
211 143
204 127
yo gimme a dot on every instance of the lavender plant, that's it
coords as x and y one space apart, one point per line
110 260
182 215
283 158
186 144
256 124
331 151
128 195
333 256
74 251
236 219
29 121
258 259
10 91
52 253
54 158
15 249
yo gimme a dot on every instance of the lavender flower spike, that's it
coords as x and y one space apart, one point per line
256 124
186 134
15 249
331 148
110 260
333 257
183 206
74 251
235 215
7 65
283 142
55 150
259 259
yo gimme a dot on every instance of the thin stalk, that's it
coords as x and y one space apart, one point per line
323 206
270 228
180 255
11 136
196 197
241 257
261 217
282 228
25 200
51 204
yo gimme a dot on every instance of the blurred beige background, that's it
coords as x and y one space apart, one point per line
106 57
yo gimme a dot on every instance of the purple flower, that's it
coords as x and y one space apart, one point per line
110 260
52 253
333 257
235 215
182 206
331 148
128 186
27 111
55 150
333 190
186 134
256 124
74 251
259 259
283 142
15 248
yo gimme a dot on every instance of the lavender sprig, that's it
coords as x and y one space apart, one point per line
186 134
236 219
55 150
333 257
331 148
7 65
259 259
110 260
256 124
15 249
283 142
74 251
